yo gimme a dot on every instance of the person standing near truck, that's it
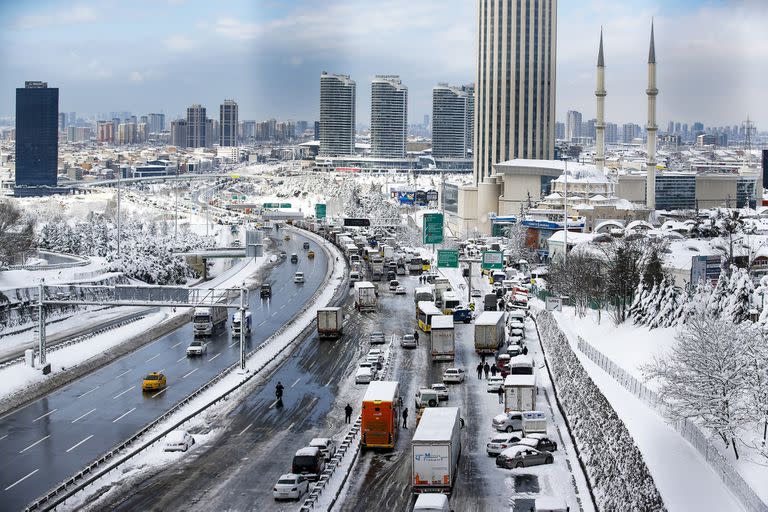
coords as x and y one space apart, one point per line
479 370
347 413
486 369
405 418
416 336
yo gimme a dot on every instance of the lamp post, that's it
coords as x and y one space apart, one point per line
565 215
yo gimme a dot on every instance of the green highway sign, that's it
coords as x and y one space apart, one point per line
271 205
432 229
320 211
285 205
493 260
447 258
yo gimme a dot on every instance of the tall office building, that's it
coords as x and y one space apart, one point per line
179 133
515 86
573 125
71 119
196 126
389 117
156 123
451 133
228 123
62 121
37 137
337 115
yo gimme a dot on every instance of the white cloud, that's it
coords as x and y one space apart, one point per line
135 76
63 17
180 43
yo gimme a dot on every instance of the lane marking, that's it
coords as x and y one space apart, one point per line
281 307
214 357
123 416
83 416
273 314
297 381
273 404
123 392
262 323
21 480
176 345
81 442
35 443
160 392
126 371
91 391
190 373
161 370
179 360
44 415
151 358
1 438
234 343
246 428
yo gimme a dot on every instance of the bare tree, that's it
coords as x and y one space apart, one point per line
17 233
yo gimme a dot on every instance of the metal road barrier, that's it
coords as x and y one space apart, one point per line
109 460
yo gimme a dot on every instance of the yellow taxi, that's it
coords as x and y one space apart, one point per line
311 254
153 382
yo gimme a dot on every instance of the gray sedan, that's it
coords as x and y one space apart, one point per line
522 456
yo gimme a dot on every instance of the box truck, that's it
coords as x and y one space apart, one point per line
519 393
489 332
329 322
365 296
205 320
443 338
236 324
435 450
380 415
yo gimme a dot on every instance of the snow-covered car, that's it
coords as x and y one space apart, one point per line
540 442
364 375
500 442
494 383
178 441
197 348
393 285
374 367
453 375
377 338
520 456
290 487
408 341
442 391
511 421
298 277
431 502
327 446
377 353
516 339
400 290
476 293
514 349
427 397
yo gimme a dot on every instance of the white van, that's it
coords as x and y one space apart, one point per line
431 502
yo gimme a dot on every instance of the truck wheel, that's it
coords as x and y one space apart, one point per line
548 460
433 403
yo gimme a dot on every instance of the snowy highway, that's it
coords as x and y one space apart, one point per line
46 441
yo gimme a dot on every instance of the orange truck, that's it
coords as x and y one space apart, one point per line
381 411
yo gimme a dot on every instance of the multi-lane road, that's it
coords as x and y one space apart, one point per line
51 438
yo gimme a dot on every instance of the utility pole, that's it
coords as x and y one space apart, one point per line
242 328
176 208
565 215
41 322
119 172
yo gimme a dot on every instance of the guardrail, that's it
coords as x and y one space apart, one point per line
87 476
687 429
81 263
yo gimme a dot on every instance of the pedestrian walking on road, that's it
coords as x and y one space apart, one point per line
405 418
347 413
479 370
486 369
500 392
493 370
525 351
416 337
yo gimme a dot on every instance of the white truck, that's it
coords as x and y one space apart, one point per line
329 322
236 324
365 296
489 332
519 393
443 338
534 422
435 450
442 285
205 320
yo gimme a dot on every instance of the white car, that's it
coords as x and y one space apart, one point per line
197 348
476 293
400 290
501 442
374 367
178 441
290 487
378 353
364 375
453 375
442 391
298 277
408 341
327 447
494 383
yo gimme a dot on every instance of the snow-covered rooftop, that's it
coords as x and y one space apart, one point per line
436 423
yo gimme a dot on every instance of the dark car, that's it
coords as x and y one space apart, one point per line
305 245
539 441
266 290
520 456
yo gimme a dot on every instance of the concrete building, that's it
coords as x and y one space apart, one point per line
228 123
573 125
126 133
196 127
559 131
105 131
37 137
179 133
389 117
156 123
611 133
337 115
515 86
451 128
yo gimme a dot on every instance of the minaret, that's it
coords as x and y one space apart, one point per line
651 128
600 94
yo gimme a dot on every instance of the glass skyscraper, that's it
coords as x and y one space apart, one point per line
37 139
389 117
337 115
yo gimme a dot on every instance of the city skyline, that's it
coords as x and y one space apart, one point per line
138 60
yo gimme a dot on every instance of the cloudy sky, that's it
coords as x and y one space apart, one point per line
154 55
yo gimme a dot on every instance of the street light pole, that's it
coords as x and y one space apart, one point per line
119 172
565 215
176 208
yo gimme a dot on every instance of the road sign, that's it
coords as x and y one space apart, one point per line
320 211
554 303
493 260
431 195
271 205
447 259
357 222
432 228
285 205
420 197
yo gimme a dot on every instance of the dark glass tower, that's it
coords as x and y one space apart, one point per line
37 139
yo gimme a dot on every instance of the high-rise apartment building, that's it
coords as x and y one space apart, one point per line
630 131
611 133
105 132
156 123
559 131
228 123
389 117
62 121
211 132
37 137
179 133
451 125
573 125
196 126
515 86
337 115
127 133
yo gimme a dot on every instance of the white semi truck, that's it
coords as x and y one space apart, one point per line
442 338
329 322
489 332
435 450
365 296
205 320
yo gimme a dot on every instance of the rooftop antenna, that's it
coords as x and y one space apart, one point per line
748 126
